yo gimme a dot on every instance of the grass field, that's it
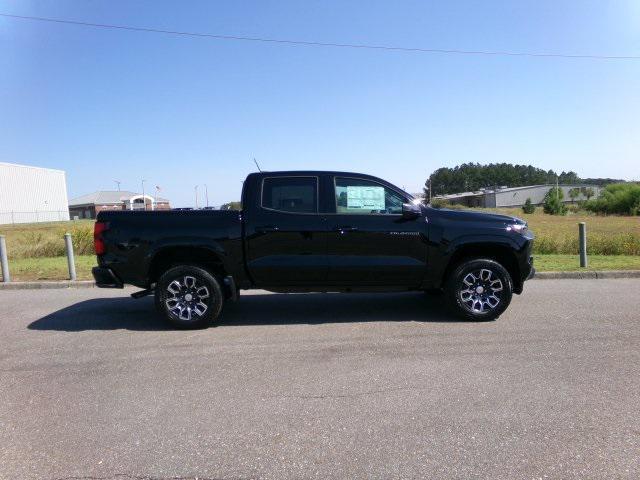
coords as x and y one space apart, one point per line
606 235
543 224
36 251
51 268
34 240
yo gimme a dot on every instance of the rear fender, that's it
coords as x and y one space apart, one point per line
182 248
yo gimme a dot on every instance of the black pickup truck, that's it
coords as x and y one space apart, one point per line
314 231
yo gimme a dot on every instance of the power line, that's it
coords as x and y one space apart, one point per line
324 44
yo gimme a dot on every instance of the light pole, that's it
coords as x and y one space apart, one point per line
118 182
196 190
144 200
206 194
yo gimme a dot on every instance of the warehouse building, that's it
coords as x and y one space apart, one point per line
88 206
517 196
32 194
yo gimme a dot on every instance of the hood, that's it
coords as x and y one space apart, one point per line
472 215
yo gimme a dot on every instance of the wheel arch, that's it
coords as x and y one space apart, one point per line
170 256
501 253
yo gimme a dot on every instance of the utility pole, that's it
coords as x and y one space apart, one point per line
206 194
557 190
144 200
429 189
118 182
196 191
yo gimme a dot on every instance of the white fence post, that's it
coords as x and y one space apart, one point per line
70 259
6 278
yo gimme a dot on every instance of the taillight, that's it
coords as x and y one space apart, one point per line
98 229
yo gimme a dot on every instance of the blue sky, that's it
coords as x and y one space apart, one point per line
179 111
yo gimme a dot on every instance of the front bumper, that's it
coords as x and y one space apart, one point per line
532 274
105 278
532 271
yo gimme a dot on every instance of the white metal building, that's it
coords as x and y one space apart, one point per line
32 194
517 196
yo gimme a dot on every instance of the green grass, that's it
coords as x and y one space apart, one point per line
36 251
52 268
29 269
555 263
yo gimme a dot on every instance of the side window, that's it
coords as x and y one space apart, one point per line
290 194
363 197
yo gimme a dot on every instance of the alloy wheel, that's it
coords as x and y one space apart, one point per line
481 291
187 298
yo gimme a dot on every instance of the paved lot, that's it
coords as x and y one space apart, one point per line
322 386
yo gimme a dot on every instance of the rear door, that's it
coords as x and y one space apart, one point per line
287 236
369 242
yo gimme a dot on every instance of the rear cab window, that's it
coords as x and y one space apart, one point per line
290 194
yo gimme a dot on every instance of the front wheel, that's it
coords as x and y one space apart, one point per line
479 290
188 297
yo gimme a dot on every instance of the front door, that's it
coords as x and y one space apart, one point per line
369 241
287 243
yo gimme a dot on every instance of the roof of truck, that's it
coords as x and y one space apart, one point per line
312 172
336 173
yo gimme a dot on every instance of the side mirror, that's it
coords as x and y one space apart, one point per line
410 211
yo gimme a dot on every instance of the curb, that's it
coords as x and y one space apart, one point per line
588 275
47 285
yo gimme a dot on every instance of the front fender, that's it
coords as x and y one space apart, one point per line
476 244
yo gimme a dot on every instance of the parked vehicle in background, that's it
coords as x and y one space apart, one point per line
314 231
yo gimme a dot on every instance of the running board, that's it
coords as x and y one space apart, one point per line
142 293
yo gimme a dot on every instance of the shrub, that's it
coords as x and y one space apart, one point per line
82 237
528 207
553 202
620 198
574 208
439 203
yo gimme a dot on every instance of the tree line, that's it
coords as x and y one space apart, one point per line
473 176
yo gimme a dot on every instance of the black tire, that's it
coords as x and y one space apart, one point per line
188 297
479 289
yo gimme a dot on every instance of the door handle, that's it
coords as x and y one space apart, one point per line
346 228
267 229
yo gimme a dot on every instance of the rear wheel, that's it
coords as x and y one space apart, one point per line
479 289
189 297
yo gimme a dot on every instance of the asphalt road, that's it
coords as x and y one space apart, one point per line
322 386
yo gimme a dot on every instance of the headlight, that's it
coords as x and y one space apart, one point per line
517 227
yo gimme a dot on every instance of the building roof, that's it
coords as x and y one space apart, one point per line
107 197
5 164
489 191
460 195
547 185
